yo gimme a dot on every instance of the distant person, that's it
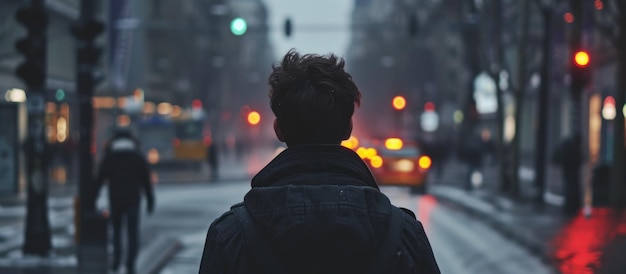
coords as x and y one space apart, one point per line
568 156
472 149
127 173
212 159
315 208
437 149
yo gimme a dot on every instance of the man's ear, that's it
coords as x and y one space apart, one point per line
279 134
348 132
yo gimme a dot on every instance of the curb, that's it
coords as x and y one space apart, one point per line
493 217
152 257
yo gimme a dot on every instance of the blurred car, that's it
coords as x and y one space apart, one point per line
395 162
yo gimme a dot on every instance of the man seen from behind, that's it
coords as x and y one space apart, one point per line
315 208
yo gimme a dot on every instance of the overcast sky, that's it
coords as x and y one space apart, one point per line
307 14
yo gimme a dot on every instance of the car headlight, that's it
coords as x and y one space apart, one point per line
404 165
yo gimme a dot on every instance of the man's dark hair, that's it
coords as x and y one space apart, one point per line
313 98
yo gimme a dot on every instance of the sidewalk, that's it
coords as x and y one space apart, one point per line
569 245
155 249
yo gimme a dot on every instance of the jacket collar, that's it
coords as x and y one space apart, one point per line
318 164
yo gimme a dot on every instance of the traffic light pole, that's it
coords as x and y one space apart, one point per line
572 185
37 238
87 55
542 119
92 233
85 92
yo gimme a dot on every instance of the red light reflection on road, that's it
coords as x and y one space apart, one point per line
579 245
425 206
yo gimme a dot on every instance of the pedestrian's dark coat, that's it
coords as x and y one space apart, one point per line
127 173
322 212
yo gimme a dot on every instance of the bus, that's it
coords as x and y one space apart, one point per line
190 143
174 142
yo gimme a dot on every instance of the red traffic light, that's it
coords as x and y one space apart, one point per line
429 106
254 118
609 101
196 104
609 112
581 59
398 102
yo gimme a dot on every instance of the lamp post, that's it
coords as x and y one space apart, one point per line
37 238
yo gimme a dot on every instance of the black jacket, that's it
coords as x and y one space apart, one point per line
127 173
322 212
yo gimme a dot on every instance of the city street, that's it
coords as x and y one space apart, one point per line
461 244
500 124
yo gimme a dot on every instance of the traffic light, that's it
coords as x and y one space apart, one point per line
288 28
429 106
238 26
59 95
581 73
254 118
37 233
33 70
196 104
398 102
608 108
88 53
87 30
581 59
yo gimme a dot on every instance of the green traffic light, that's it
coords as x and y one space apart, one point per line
238 26
59 95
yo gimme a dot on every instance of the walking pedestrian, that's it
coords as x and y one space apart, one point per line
127 173
315 208
212 159
472 147
567 155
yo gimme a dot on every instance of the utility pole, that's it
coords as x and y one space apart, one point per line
37 239
578 75
495 74
618 186
87 55
519 98
542 116
92 254
471 39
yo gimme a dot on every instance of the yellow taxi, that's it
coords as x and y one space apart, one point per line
395 162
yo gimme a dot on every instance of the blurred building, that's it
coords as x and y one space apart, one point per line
61 97
407 48
60 44
180 52
443 63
